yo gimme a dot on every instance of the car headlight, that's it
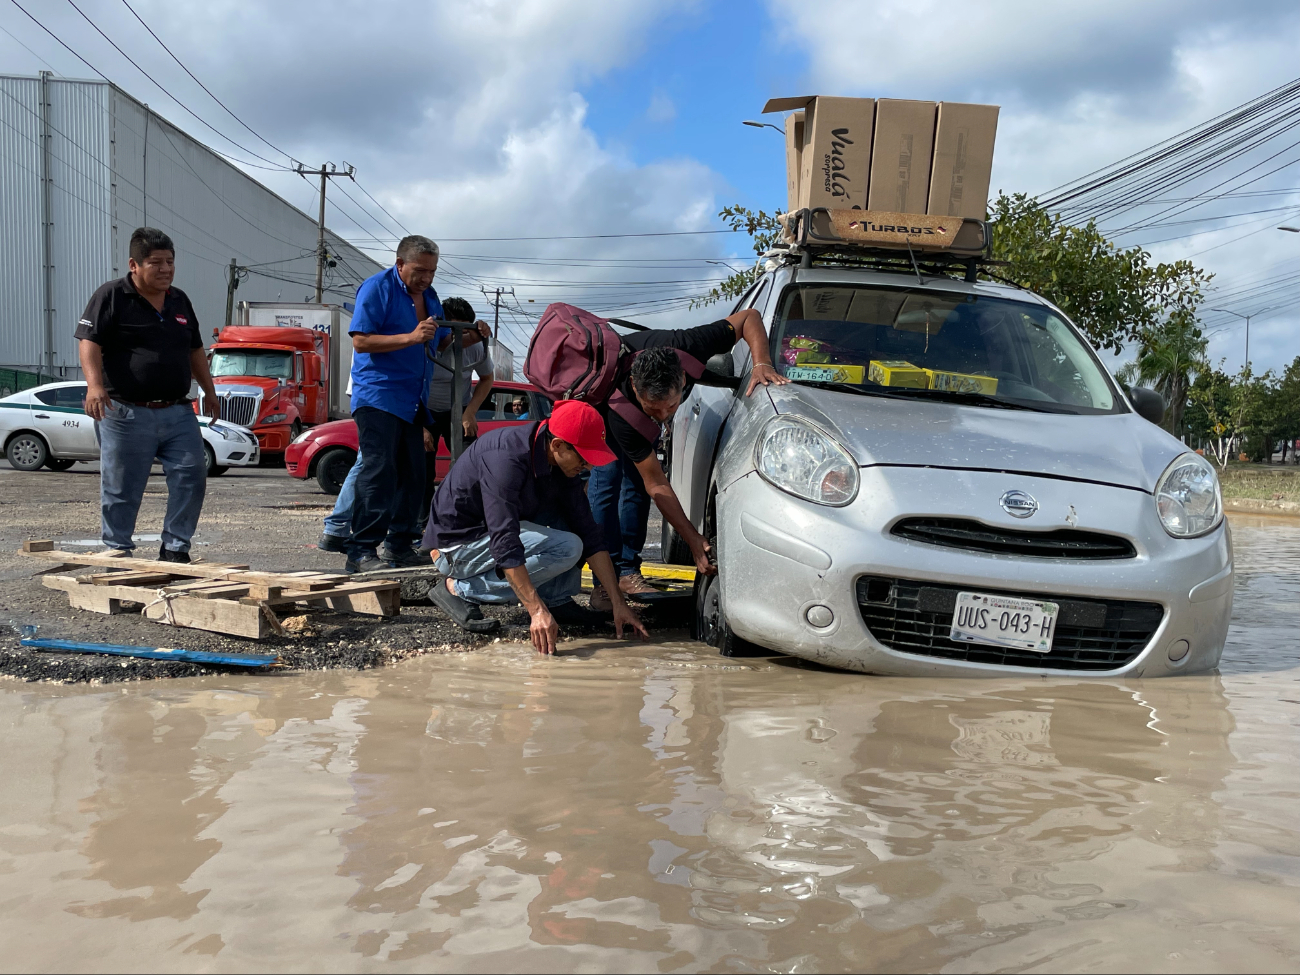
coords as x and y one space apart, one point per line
222 432
797 457
305 435
275 418
1188 498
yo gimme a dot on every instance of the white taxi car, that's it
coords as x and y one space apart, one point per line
47 426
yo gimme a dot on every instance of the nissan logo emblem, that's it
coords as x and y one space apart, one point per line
1018 504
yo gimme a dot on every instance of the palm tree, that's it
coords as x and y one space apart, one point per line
1169 357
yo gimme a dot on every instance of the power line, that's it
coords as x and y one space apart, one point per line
101 74
201 84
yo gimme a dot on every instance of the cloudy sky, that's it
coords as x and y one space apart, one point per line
546 119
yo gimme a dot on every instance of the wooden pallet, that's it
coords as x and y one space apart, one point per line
211 596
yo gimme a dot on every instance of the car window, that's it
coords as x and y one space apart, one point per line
73 396
505 405
920 340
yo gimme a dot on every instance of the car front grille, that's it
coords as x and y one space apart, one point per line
1095 634
239 409
973 536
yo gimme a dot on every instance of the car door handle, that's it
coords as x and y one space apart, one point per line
42 416
696 409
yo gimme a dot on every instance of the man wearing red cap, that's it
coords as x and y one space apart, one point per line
512 523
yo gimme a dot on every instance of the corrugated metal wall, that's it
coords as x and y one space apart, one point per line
117 166
21 312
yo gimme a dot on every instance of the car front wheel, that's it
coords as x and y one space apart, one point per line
214 469
27 452
709 623
332 469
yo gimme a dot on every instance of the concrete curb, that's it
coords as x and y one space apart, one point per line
1258 507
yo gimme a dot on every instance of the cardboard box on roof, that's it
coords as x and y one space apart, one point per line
901 152
963 160
835 161
793 154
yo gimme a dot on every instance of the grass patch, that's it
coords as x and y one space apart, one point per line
1260 482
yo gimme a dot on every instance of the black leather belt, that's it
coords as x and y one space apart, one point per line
157 404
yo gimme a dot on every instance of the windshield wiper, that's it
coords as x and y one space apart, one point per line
974 399
944 395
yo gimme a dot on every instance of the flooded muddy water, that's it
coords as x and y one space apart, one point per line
658 808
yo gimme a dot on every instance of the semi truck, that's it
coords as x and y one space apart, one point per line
283 367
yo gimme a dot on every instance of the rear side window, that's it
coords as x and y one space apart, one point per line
508 405
72 396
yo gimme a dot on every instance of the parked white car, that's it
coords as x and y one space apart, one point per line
47 426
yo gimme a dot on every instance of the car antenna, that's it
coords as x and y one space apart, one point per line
919 279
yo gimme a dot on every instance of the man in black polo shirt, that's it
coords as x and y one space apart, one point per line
620 493
139 347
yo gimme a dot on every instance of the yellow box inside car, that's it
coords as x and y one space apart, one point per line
897 372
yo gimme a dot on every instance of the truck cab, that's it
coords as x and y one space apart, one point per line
282 369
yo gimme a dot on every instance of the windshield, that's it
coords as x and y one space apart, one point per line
938 345
253 362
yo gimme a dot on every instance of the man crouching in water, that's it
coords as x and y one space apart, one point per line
511 523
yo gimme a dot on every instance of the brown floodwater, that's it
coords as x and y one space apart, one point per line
658 808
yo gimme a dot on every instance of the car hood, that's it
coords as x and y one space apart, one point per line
1120 449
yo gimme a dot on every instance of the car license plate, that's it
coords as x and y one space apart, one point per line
1004 621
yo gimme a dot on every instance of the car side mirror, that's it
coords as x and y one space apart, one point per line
720 370
1149 404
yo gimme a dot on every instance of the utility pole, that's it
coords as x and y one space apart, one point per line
322 255
233 277
496 304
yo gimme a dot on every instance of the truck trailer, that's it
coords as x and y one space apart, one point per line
284 367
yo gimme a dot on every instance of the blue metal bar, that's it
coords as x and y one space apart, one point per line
154 653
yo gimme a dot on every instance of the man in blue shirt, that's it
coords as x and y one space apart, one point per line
396 317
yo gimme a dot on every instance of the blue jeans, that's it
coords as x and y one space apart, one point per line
621 507
130 438
339 521
552 557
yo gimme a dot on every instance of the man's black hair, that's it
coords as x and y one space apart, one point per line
457 310
146 240
657 373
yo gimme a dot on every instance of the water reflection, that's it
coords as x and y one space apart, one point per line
629 808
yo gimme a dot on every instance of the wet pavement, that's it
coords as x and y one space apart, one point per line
659 808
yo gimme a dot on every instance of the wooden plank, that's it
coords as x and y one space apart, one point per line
39 545
198 570
214 615
131 578
347 589
385 602
225 590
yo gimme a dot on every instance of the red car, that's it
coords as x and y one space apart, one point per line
327 452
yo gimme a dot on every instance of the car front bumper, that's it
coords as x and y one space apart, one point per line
780 556
244 452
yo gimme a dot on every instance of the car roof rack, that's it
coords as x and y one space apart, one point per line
883 240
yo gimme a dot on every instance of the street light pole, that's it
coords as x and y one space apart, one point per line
764 125
1246 318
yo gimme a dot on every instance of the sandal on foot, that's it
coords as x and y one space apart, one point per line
465 615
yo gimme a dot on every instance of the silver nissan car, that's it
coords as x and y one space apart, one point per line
951 484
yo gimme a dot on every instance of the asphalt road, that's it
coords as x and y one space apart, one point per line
258 516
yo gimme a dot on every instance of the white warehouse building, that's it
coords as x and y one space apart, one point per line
82 165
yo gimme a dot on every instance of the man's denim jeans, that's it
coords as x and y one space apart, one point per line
130 438
552 557
621 507
339 521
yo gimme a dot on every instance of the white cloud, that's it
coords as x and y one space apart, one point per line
1081 86
661 108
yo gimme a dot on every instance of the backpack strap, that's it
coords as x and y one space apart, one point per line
634 417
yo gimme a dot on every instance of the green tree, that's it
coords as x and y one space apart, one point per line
1114 295
764 231
1169 356
1215 416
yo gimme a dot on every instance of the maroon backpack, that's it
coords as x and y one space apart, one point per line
577 355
